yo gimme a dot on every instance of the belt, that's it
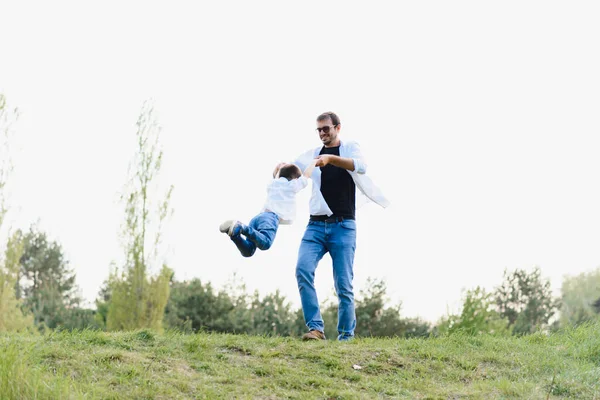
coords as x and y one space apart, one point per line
325 218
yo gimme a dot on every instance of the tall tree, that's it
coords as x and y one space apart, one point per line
11 316
139 296
47 281
526 300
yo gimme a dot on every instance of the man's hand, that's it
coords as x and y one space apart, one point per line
323 160
330 159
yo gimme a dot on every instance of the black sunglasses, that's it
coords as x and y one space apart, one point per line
325 128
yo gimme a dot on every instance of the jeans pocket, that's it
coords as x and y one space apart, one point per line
348 224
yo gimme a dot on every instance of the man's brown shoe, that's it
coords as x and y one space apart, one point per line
313 335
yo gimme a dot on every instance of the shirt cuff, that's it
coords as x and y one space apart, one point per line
359 167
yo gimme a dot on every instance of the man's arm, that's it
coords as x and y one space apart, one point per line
302 182
355 161
354 153
304 159
342 162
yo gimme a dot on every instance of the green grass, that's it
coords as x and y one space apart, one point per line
145 365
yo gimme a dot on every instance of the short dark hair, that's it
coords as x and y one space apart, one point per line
289 172
331 115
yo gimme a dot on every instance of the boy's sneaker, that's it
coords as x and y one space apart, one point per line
230 227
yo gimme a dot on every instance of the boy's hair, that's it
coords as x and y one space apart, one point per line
289 172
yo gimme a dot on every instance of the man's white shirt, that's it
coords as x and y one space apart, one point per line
350 149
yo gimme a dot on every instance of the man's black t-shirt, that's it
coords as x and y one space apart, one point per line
337 187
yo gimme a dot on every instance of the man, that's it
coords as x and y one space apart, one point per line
332 227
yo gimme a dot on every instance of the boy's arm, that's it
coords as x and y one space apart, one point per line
302 182
299 183
309 170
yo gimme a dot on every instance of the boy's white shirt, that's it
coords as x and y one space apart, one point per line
368 191
281 198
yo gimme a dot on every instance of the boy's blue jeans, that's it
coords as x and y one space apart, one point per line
260 232
339 239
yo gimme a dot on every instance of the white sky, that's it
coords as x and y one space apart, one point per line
480 122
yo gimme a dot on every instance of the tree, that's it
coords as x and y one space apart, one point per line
272 315
138 297
11 316
416 327
526 300
374 318
47 282
102 304
579 298
79 318
477 316
193 306
369 307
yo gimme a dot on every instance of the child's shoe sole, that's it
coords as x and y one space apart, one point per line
227 227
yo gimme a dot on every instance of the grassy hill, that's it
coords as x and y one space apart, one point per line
145 365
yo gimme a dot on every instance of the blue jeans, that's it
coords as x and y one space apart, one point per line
339 239
260 232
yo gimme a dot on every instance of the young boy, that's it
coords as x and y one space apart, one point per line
279 208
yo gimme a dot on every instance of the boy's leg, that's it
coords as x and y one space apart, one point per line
245 246
262 230
312 249
233 229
